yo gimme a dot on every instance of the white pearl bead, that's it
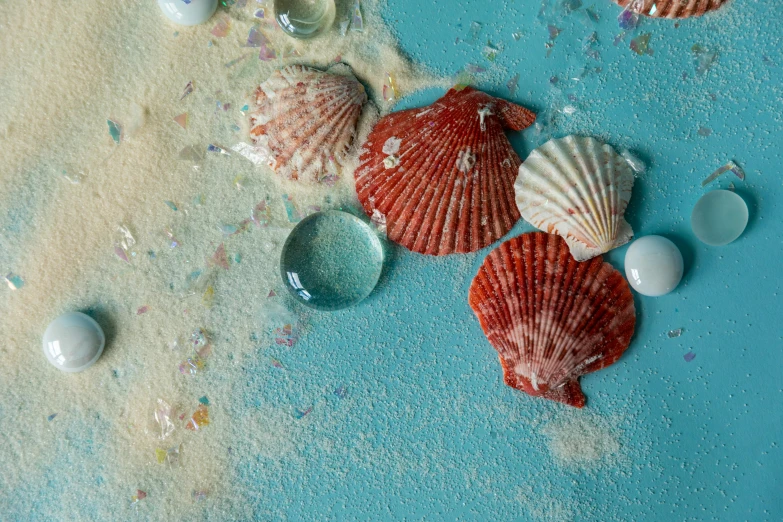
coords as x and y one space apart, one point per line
191 13
73 342
653 265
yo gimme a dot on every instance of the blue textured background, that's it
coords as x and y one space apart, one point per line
427 430
430 386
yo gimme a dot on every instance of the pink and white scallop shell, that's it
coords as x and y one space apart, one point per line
577 188
304 121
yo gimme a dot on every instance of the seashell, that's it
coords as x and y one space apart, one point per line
443 175
671 8
577 188
304 120
551 318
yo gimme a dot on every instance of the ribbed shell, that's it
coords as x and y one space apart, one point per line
671 8
443 175
577 188
551 318
305 120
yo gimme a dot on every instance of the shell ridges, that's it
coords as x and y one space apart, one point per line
443 175
551 318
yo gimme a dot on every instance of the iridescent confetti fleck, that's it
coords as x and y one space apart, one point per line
188 89
389 91
271 294
142 310
628 20
173 242
203 400
219 257
705 131
73 177
689 356
170 455
171 205
199 419
290 208
589 46
198 496
513 85
298 414
730 166
474 33
255 37
266 53
235 61
674 333
286 336
340 392
190 153
14 281
217 149
119 252
182 120
636 164
276 363
115 131
261 215
703 58
474 69
222 28
517 35
229 230
51 417
344 24
491 52
140 495
641 44
554 32
357 22
260 13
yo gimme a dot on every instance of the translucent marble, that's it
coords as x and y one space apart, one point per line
719 217
653 265
304 18
188 12
331 260
73 342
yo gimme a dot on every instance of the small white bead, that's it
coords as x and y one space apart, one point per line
73 342
193 13
653 265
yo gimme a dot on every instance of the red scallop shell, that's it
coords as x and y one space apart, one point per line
671 8
448 182
550 317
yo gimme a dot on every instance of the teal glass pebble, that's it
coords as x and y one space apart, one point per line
719 217
331 260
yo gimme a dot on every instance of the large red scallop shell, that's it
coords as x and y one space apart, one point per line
550 317
671 8
443 176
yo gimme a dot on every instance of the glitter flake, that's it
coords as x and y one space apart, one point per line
15 282
674 333
730 166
